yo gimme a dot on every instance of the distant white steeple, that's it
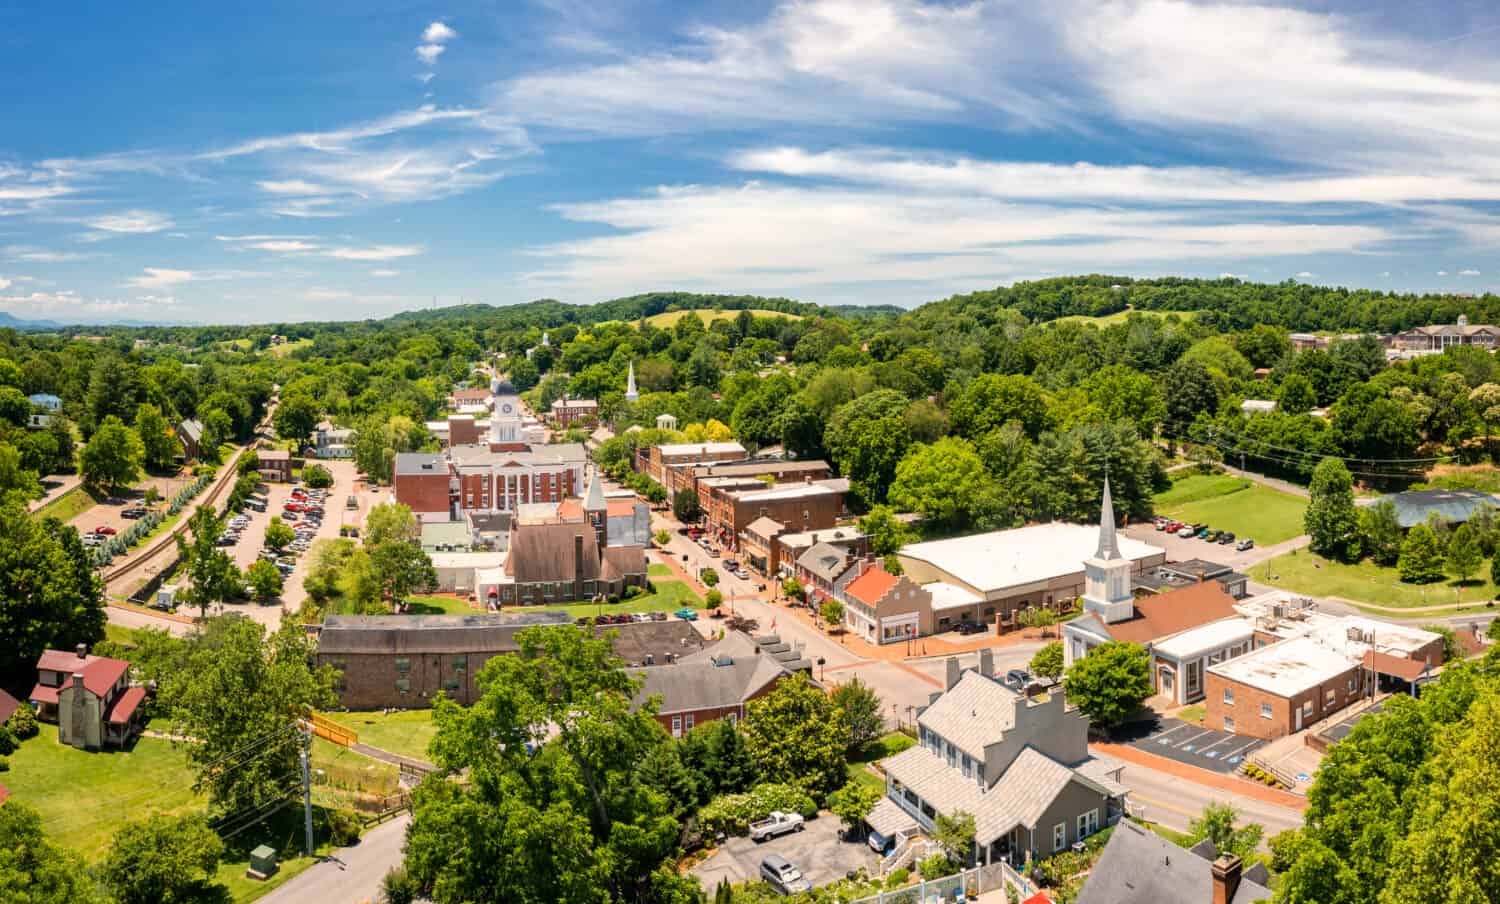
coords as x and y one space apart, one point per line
630 392
594 501
1106 575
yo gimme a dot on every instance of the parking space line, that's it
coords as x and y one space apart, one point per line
1227 739
1192 739
1162 738
1242 749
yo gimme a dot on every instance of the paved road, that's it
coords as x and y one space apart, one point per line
129 618
349 875
1175 803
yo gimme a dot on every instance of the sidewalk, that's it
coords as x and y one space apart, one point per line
65 482
1203 776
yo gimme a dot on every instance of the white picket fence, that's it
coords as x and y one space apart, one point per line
976 881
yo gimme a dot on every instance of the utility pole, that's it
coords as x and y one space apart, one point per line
306 791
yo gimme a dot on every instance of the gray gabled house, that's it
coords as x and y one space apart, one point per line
1140 867
1019 764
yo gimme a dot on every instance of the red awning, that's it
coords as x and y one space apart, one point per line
1395 666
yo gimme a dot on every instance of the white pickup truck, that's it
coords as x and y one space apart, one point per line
777 823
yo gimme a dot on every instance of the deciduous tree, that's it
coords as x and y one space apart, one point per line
795 736
158 444
1110 683
264 580
860 710
1331 521
112 457
1048 661
49 594
210 574
33 870
1421 561
852 803
164 860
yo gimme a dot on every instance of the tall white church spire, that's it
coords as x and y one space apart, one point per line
631 395
1109 548
1106 574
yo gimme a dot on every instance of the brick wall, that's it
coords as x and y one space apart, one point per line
822 511
423 492
462 431
370 679
1246 707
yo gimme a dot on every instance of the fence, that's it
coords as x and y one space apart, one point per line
329 730
989 877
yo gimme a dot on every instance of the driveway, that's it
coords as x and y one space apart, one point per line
818 851
1206 748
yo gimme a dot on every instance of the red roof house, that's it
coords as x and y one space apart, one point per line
89 697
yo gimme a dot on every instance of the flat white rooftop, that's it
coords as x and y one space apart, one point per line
1287 668
1215 635
799 491
1024 555
468 559
949 596
808 538
703 448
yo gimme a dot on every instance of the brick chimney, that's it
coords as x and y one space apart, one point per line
953 673
1226 873
987 663
578 563
83 651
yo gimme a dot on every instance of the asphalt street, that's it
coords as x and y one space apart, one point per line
349 875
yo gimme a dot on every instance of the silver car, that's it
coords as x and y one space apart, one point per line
783 875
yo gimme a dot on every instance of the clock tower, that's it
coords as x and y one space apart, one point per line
505 420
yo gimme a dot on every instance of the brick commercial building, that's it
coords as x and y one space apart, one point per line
799 506
463 430
403 661
885 608
792 546
655 461
421 482
1307 666
491 480
565 412
741 474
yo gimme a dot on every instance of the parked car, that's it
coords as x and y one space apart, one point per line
1245 544
783 876
135 511
1225 538
1185 532
969 627
1211 536
778 823
687 614
1017 679
104 530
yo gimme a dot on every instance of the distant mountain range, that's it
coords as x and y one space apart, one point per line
16 323
11 321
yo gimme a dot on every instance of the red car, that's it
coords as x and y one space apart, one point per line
299 495
106 531
292 507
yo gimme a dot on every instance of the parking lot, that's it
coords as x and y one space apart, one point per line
1180 549
110 513
253 534
818 851
1194 745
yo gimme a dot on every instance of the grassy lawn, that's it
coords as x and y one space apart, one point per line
83 797
1366 582
1121 316
406 733
709 315
439 605
886 745
658 570
69 505
669 597
1192 714
1264 515
286 348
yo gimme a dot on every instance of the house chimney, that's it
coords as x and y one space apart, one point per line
78 679
83 651
987 663
1226 873
953 674
578 562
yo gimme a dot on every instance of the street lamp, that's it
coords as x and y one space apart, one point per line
821 661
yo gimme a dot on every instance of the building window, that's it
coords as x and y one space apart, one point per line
450 684
1059 837
1088 824
1228 724
1351 685
1229 695
1328 697
403 685
1265 710
403 666
687 724
460 662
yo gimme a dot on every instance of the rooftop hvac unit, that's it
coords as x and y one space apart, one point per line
1278 611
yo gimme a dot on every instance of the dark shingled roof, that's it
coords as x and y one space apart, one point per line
637 640
545 553
1453 506
1140 867
478 633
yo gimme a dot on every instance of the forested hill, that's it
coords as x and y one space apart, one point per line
634 307
1228 304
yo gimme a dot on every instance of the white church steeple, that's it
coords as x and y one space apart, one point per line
631 395
1106 575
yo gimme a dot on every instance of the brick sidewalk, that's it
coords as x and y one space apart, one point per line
1203 776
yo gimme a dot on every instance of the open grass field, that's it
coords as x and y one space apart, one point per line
85 797
1366 582
406 733
68 506
709 315
439 605
286 348
669 596
658 570
1121 316
1248 509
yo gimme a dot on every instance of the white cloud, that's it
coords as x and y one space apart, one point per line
1442 273
4 283
260 238
385 274
429 53
1469 272
768 238
130 222
373 252
285 247
42 255
1305 274
290 187
438 33
161 278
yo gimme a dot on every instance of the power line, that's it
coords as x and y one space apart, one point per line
1303 452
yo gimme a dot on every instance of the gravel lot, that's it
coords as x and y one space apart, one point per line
818 851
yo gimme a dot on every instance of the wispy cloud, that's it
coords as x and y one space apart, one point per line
435 38
160 278
130 222
42 255
373 252
1468 272
308 245
290 187
385 274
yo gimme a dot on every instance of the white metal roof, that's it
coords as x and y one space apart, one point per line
467 559
1025 555
1205 638
796 491
1287 668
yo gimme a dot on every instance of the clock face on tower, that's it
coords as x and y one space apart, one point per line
506 408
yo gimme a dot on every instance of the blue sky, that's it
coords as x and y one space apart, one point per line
339 160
